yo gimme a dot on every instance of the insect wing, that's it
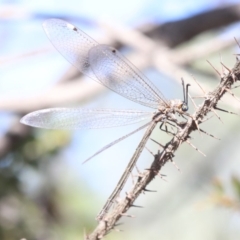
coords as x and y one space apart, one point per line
102 63
72 43
120 75
80 118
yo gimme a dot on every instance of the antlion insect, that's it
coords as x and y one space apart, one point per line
107 66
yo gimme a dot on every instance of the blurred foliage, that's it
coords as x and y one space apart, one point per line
221 196
48 207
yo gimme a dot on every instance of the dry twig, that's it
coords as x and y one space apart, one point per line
162 157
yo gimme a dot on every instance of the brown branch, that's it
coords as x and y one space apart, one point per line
183 133
176 32
171 62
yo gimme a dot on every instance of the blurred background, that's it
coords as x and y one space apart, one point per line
45 191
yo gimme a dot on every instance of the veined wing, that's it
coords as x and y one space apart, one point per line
72 43
114 71
102 63
81 118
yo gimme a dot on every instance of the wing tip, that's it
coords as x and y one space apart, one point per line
28 119
23 120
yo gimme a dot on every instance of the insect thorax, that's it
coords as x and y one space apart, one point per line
172 107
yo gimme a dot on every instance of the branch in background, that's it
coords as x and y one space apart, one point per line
171 62
59 95
177 32
165 60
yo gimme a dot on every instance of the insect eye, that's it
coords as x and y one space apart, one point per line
184 107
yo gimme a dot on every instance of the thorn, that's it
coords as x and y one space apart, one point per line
149 169
237 42
230 72
206 119
197 126
157 142
118 230
127 215
209 134
235 87
221 92
194 104
175 165
149 150
226 67
161 176
220 56
234 77
194 120
147 190
232 94
220 109
195 148
216 115
118 224
198 84
215 69
156 172
137 206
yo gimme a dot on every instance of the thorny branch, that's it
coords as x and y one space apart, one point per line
161 158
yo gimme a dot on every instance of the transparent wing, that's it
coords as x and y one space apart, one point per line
80 118
120 75
72 43
102 63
